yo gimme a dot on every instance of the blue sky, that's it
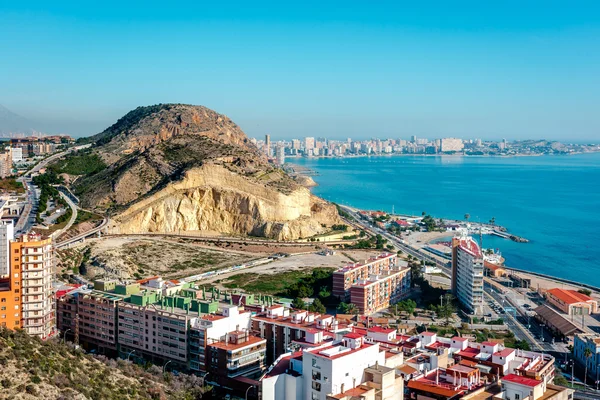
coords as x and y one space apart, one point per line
504 69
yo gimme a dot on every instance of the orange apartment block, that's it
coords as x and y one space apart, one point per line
348 275
31 258
380 291
10 301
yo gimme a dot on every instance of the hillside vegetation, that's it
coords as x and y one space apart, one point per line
32 369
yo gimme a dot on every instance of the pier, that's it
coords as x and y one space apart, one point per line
505 235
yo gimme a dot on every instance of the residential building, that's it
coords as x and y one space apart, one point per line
467 274
7 234
6 163
33 257
309 144
90 318
282 329
590 341
210 328
17 154
451 145
239 354
517 387
10 299
268 145
350 274
572 302
331 369
280 155
380 291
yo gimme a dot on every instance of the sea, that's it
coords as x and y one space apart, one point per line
554 201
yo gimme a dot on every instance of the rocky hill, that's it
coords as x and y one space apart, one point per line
175 167
32 369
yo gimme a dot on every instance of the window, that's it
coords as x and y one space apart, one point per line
316 375
317 386
517 396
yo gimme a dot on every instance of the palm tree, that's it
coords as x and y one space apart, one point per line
587 353
493 221
467 216
352 309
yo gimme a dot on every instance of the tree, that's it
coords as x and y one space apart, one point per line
467 216
407 306
587 353
493 221
318 307
347 308
298 303
587 292
423 213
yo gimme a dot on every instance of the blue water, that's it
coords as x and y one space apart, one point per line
554 201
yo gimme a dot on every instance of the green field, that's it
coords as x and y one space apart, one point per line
273 284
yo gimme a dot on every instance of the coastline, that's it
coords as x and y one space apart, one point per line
441 155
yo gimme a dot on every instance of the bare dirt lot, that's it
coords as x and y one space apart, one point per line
133 257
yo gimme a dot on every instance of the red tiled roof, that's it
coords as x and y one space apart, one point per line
504 353
486 343
521 380
460 339
353 335
569 296
428 333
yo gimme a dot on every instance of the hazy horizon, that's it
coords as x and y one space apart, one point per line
510 70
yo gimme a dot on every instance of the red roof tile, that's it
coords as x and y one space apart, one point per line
569 296
521 380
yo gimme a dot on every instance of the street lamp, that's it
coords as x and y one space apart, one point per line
130 353
165 366
65 335
246 395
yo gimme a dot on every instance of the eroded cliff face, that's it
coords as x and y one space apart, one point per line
213 198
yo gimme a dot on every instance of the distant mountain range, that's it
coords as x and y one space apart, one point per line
14 123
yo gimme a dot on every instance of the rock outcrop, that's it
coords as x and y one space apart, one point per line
176 168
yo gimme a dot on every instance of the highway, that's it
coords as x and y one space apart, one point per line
73 207
56 156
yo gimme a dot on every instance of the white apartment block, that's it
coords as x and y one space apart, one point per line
452 144
467 274
6 235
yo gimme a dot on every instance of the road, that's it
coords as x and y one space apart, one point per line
73 207
56 156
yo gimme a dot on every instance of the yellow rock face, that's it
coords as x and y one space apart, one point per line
212 198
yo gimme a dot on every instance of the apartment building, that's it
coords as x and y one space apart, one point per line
378 292
589 341
467 274
33 257
6 163
154 331
345 277
329 370
282 329
7 234
10 300
212 328
91 315
239 354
